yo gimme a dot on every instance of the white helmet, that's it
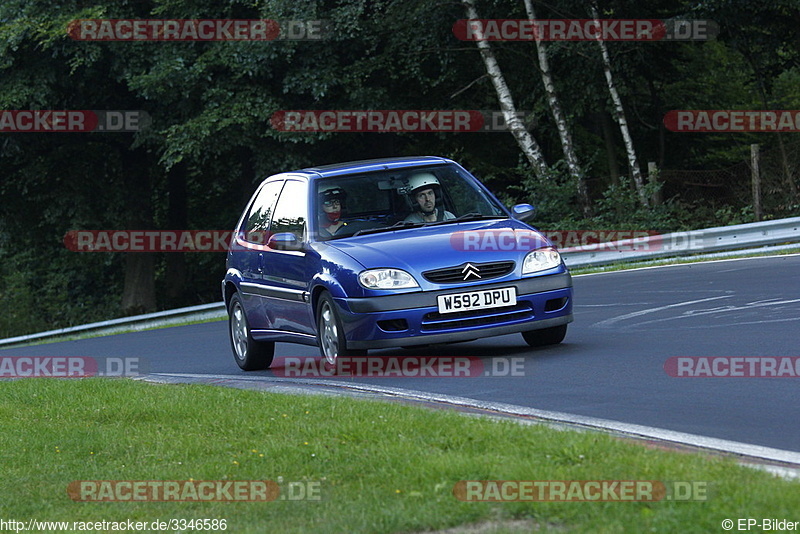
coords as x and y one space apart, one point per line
422 179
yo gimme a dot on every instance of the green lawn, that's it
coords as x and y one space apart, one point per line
380 467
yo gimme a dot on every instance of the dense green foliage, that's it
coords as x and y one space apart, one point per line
211 140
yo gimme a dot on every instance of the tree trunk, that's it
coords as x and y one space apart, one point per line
633 164
608 141
564 134
139 294
530 148
177 219
787 173
756 181
139 291
766 99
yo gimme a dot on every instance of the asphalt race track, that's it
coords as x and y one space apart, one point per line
610 366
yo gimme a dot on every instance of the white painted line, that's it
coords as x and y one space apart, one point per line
608 322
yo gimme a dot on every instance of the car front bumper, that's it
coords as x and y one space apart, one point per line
412 319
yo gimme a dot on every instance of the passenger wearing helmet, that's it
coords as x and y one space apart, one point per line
332 201
424 188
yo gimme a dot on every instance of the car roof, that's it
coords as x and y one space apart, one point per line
338 169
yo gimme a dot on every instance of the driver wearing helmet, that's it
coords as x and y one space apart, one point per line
332 201
424 188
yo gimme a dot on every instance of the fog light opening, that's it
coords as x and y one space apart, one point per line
555 304
393 325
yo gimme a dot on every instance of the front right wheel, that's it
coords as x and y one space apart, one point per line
545 336
332 343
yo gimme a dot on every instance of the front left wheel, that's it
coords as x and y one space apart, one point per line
250 355
546 336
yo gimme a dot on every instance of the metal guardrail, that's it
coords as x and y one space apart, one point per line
629 250
126 324
723 238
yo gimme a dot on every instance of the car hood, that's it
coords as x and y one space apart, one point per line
433 247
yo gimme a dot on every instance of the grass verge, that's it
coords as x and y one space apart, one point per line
381 467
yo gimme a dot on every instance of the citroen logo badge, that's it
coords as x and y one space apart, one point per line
470 270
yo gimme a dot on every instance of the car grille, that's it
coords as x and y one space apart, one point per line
446 321
454 275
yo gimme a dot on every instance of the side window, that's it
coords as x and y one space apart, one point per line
257 222
291 211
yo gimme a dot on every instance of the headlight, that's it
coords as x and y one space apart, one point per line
386 279
540 260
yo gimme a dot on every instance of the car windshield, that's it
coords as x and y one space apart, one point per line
398 199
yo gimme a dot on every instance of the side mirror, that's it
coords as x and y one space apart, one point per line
284 241
523 212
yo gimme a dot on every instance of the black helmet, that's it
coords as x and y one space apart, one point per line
332 192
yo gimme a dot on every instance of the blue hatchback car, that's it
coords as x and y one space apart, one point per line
387 253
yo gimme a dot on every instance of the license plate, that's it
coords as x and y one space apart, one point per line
477 300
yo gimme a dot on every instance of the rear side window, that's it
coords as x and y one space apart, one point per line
291 213
257 222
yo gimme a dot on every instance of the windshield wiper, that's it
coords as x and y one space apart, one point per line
472 216
396 226
409 224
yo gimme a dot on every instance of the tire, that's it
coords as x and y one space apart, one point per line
330 334
545 336
250 355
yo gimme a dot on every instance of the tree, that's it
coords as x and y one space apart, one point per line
633 163
527 143
564 134
766 34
